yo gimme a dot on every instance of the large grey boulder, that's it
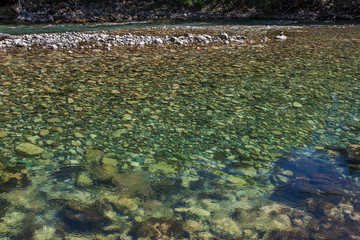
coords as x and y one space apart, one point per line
4 36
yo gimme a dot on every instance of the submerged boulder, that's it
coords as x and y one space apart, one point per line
353 151
85 217
28 149
94 155
158 228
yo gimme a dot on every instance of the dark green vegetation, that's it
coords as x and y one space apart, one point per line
266 7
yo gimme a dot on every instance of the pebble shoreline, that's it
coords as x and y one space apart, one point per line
73 40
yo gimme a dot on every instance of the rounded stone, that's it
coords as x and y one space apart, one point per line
127 117
3 134
28 149
297 105
43 133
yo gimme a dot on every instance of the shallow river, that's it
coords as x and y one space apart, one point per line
237 141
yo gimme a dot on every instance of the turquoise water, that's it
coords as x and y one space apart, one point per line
183 142
11 27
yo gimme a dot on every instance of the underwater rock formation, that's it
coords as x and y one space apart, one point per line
84 217
158 228
353 151
12 177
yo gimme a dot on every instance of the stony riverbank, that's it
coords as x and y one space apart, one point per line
76 40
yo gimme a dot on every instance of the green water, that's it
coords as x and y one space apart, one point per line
181 142
14 27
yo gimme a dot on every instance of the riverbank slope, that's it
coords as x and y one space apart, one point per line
78 11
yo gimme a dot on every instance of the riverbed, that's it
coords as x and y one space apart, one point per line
217 140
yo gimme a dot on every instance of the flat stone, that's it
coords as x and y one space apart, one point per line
53 120
3 133
118 133
297 105
277 133
28 149
138 96
127 117
57 129
78 109
84 180
78 135
115 92
43 133
180 130
76 143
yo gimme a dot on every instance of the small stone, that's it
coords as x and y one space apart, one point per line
53 120
127 117
32 139
70 100
93 155
277 133
297 105
282 179
78 109
180 130
175 86
57 129
84 180
43 133
54 47
47 155
78 135
287 173
115 92
28 149
138 96
223 36
158 41
135 164
118 133
3 133
76 143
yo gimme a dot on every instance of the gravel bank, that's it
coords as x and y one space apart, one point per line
74 40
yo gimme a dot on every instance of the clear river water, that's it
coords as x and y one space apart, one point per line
216 141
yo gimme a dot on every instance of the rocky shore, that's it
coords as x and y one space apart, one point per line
76 40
